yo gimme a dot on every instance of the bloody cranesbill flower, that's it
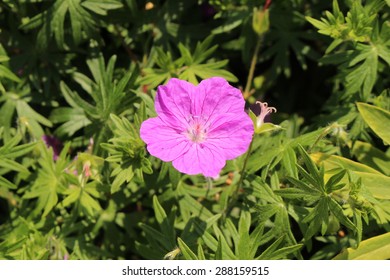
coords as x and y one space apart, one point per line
199 127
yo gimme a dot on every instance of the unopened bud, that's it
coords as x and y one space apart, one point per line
260 22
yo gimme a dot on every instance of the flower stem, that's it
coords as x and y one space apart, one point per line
239 185
252 68
234 196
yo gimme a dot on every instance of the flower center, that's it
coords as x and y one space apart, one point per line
196 130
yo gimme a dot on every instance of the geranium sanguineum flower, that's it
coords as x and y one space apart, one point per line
199 127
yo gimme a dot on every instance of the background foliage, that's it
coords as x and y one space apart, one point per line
77 78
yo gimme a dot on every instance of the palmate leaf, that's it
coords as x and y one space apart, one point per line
313 176
106 95
375 182
189 66
27 117
71 119
285 39
357 25
126 153
83 18
9 151
275 211
359 68
196 65
312 189
359 65
50 181
84 197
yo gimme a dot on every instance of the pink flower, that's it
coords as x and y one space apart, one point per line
199 127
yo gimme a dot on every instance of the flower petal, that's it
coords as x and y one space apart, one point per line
232 133
200 159
173 101
163 141
216 96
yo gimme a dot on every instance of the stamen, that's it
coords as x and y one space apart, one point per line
197 129
265 110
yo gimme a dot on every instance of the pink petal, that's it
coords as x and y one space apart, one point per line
216 96
163 141
200 159
232 133
173 101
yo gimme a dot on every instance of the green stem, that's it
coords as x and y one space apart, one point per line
239 185
252 68
248 85
234 197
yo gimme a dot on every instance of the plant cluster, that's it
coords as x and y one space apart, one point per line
79 77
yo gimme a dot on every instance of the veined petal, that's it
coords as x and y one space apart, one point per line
199 127
163 141
173 101
216 96
200 159
232 133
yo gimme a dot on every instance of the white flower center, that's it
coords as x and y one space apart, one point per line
197 129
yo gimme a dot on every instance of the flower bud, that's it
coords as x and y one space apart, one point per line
260 22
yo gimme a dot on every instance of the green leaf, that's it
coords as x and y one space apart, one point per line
89 204
13 165
267 253
295 193
244 242
201 255
314 176
333 162
318 216
6 183
72 119
337 210
186 251
6 73
100 7
162 219
50 181
76 101
375 248
368 154
334 180
289 162
377 184
377 119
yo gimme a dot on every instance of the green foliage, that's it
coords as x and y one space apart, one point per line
190 67
375 248
78 78
83 17
108 95
376 118
364 32
126 153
